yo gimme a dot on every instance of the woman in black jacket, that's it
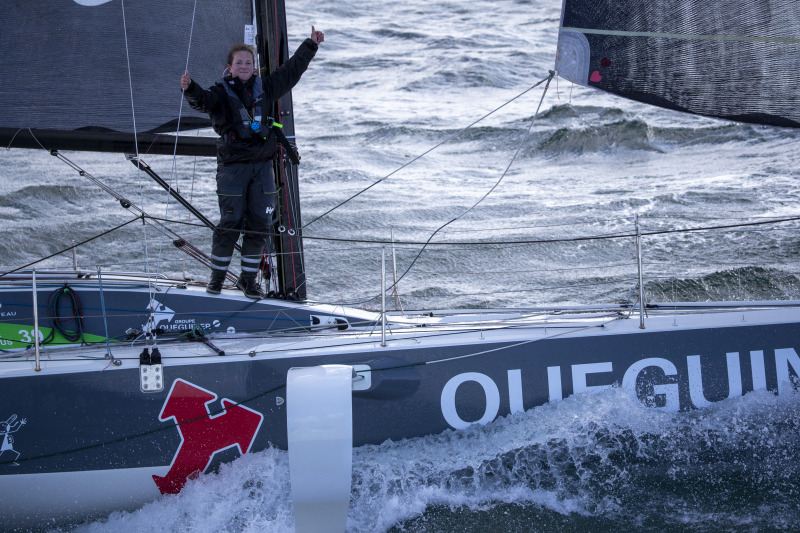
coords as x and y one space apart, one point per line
240 104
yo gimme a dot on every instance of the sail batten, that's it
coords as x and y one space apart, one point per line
727 58
690 37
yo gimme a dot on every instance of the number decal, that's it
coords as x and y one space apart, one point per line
26 336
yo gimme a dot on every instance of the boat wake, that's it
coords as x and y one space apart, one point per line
566 465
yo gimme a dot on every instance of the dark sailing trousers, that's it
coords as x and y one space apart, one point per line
247 199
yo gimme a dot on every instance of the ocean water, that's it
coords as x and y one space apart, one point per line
392 80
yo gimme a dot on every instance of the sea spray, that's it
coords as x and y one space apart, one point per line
591 459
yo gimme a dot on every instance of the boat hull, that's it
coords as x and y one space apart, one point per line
214 409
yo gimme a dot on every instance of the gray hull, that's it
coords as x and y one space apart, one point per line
118 447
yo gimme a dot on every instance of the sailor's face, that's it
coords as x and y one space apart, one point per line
242 66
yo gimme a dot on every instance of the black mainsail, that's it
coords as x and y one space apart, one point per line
722 58
94 77
102 76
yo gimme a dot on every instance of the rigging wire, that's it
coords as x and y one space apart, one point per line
515 242
490 191
332 303
130 79
90 239
173 170
124 202
423 154
152 334
753 225
136 141
136 144
191 198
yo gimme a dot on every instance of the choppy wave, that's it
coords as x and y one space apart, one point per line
38 196
586 128
745 283
625 134
465 74
715 134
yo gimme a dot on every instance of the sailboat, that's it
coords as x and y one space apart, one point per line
111 419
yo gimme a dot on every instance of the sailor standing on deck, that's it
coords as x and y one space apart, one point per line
240 105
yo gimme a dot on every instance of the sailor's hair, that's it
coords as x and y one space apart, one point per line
240 47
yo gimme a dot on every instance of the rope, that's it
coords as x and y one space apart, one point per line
420 156
173 170
135 139
59 322
482 198
609 236
127 204
8 148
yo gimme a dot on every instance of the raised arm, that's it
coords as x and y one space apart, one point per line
284 78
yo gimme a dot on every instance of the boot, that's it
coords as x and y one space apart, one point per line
217 279
249 286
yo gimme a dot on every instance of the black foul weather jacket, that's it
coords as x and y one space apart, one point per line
234 106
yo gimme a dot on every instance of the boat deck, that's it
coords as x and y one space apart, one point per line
412 330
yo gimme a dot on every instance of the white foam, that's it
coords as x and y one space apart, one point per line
583 455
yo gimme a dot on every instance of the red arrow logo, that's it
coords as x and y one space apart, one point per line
203 435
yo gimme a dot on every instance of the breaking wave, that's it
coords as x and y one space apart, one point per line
42 196
592 456
745 283
624 134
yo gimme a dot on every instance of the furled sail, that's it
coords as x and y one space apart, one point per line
87 74
733 59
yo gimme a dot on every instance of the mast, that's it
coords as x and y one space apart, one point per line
273 50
